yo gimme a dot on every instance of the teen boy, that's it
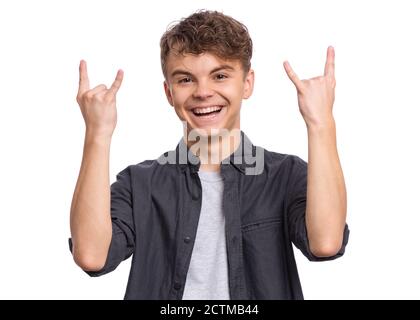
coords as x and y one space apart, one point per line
214 218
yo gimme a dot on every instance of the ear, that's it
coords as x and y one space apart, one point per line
168 93
249 84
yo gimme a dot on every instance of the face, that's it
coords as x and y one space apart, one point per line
206 91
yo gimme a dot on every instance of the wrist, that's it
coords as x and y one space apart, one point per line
319 126
98 137
322 133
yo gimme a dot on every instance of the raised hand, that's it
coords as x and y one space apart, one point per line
316 95
98 105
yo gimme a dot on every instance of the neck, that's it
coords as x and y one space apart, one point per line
212 149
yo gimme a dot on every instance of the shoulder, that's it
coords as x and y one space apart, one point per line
149 168
277 160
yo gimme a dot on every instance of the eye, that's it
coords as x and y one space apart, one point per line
184 80
220 76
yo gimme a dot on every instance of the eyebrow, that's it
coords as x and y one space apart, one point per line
222 67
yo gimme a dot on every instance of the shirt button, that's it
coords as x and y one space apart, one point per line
187 239
177 286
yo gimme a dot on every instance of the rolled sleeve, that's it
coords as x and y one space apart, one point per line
123 234
297 210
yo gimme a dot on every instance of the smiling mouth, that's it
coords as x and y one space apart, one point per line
202 112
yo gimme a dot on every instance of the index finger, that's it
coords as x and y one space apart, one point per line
292 75
83 77
329 64
117 82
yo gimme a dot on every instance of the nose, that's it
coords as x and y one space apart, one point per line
202 90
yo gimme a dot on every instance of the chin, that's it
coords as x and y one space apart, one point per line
208 131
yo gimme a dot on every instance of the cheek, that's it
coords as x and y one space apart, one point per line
179 97
234 91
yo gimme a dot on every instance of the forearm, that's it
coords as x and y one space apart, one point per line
326 192
90 219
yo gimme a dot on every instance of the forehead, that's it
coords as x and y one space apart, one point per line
198 64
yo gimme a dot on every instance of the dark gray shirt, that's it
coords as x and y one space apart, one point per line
155 210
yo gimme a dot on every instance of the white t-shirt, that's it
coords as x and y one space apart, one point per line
207 277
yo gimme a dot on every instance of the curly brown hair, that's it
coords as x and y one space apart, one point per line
208 31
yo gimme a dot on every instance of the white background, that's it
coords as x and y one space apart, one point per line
42 130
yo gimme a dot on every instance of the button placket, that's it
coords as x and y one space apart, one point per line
177 285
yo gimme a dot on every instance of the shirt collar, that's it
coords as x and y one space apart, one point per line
241 158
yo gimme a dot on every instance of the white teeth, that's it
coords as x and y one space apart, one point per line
206 110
